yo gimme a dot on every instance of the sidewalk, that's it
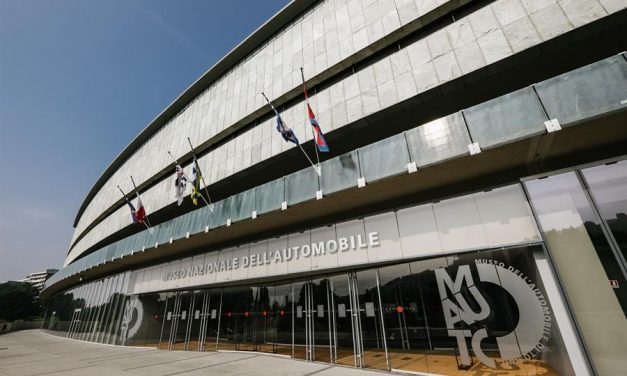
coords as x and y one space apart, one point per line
33 352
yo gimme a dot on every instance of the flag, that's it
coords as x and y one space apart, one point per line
140 214
180 183
321 143
133 211
287 133
195 180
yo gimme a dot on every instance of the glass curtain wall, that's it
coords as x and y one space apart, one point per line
582 215
476 312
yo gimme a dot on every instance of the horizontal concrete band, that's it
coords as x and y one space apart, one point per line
491 219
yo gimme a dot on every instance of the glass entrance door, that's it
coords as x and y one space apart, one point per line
338 320
342 321
312 321
237 319
182 321
177 322
209 319
273 328
279 328
407 337
357 329
166 325
320 324
373 353
194 322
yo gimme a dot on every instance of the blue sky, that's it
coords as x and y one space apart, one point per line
78 80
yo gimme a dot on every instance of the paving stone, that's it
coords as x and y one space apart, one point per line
36 353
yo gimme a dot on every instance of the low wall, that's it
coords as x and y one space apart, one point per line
6 327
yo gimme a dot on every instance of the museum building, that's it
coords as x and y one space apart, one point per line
469 216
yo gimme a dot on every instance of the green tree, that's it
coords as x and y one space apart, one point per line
17 301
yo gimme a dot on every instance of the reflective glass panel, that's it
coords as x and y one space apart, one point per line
439 140
385 158
591 90
269 196
506 119
340 173
301 186
586 266
608 185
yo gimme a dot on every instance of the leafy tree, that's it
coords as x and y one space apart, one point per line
17 301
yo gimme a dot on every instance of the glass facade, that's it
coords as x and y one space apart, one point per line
447 290
462 313
582 215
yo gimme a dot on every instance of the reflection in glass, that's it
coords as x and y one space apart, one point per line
368 306
472 313
586 266
608 186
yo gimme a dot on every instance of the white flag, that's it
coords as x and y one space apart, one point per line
180 183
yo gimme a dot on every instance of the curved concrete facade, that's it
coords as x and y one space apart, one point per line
467 217
327 37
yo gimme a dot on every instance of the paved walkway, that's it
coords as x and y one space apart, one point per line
33 352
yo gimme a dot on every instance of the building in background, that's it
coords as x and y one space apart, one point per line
468 217
37 279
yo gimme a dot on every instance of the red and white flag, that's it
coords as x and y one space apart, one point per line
140 213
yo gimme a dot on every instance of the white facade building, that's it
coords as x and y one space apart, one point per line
471 214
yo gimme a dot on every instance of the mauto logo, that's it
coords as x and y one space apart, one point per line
132 319
534 323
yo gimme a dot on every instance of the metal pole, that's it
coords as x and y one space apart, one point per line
385 343
163 322
219 319
302 75
329 320
301 148
126 199
137 191
292 314
334 325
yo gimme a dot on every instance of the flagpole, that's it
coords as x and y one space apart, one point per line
176 163
146 217
123 194
202 176
313 134
301 148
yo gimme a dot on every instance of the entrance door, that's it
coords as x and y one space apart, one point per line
312 321
279 321
210 320
329 317
194 321
342 321
370 336
177 322
408 339
320 320
166 325
237 319
179 338
357 333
